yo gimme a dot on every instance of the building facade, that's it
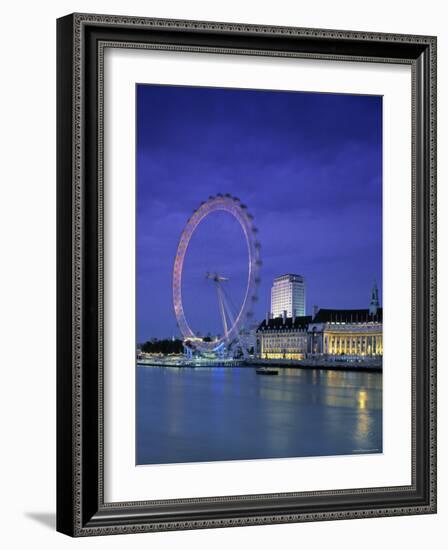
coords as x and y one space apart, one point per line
288 294
346 334
350 333
283 338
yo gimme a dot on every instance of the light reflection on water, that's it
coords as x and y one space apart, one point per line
205 414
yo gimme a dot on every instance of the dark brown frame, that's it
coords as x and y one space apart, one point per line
81 39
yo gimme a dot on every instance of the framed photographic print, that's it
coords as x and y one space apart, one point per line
246 274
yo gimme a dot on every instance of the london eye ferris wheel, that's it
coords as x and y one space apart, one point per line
234 323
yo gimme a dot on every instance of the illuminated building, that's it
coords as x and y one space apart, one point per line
288 294
329 333
283 338
347 332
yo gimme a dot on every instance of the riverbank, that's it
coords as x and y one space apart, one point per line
321 363
192 364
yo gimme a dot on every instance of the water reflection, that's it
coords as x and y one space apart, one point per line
201 414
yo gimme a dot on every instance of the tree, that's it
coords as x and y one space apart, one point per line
162 346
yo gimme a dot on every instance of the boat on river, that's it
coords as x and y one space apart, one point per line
267 371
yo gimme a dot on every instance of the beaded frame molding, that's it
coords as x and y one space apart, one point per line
81 40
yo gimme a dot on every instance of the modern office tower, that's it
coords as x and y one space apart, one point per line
288 294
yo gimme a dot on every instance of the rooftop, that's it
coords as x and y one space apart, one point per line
299 322
288 277
323 316
348 316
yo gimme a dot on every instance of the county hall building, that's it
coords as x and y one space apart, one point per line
353 333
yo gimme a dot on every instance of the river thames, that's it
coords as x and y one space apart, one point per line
208 414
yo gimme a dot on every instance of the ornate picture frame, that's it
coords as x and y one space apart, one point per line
81 506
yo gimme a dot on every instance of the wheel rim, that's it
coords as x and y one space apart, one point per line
233 206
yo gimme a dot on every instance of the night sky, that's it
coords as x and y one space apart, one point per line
309 168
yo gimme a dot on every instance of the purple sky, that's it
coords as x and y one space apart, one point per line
308 165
